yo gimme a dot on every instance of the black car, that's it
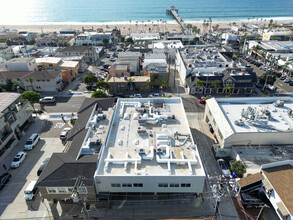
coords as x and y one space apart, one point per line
43 165
90 87
291 83
4 179
106 66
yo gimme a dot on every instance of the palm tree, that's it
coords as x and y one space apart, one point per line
199 83
189 27
31 80
210 20
164 84
228 87
216 84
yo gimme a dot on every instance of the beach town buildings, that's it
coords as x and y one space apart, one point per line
281 34
149 36
6 52
19 64
157 155
208 70
41 81
249 122
89 52
55 40
93 38
15 114
274 181
184 38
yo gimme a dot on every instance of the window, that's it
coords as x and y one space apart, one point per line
126 185
174 184
82 190
163 184
50 64
62 190
137 185
115 185
185 184
51 190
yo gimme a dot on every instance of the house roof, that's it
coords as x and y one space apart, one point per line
63 168
39 75
281 179
250 179
7 98
12 75
20 60
79 49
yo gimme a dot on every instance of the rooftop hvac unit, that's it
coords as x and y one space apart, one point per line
279 103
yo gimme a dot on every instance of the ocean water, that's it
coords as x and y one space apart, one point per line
98 11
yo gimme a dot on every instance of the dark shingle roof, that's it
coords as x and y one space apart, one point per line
79 49
39 75
63 168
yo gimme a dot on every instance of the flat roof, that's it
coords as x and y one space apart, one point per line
259 116
250 179
20 60
281 179
7 98
68 63
277 45
142 140
53 60
167 44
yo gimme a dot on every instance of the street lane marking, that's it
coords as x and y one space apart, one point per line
281 88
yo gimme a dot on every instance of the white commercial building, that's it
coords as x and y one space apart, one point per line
149 149
250 122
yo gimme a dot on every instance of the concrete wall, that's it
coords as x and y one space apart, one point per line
31 66
181 67
150 184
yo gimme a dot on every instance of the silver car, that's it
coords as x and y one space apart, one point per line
18 159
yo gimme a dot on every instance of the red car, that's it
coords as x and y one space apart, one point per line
202 101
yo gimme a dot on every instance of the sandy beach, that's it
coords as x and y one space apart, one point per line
126 27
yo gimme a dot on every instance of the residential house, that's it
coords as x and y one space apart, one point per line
6 52
15 114
145 36
48 62
64 170
134 84
88 52
19 64
55 40
92 38
281 34
155 65
184 38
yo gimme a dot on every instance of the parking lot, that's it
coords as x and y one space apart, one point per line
13 205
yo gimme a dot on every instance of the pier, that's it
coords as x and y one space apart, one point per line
174 12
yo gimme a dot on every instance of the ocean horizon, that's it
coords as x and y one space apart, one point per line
58 12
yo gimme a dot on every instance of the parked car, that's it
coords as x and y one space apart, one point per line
291 83
225 170
31 190
64 133
31 142
18 159
47 99
43 165
108 55
4 178
287 80
282 77
90 87
112 59
106 66
102 73
136 96
155 95
105 70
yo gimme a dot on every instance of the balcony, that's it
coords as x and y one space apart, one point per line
5 135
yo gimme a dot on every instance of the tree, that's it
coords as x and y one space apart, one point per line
189 27
105 41
164 84
267 79
238 168
9 42
90 79
99 94
32 96
210 21
103 85
122 38
32 41
199 83
215 83
31 80
129 41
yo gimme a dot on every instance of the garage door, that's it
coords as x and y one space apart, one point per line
49 88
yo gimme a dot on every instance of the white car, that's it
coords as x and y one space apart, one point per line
225 170
31 142
18 159
287 80
136 96
113 59
155 95
64 133
48 99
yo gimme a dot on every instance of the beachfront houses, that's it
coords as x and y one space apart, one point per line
93 38
249 122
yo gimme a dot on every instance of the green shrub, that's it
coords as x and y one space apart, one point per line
73 120
238 168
